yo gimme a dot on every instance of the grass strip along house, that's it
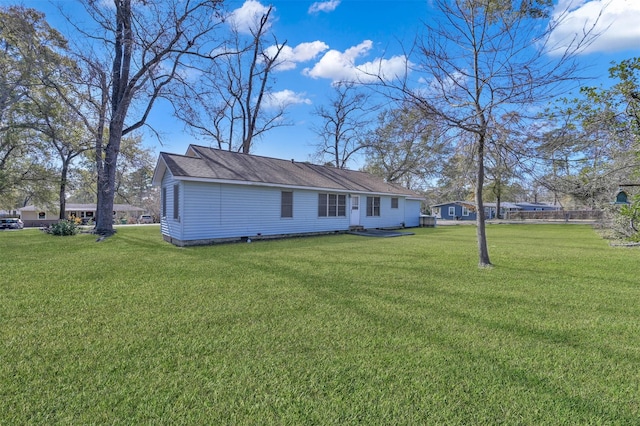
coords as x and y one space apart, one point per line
211 195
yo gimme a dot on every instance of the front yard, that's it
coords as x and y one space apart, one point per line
324 330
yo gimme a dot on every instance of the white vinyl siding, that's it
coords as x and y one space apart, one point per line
411 212
229 211
212 211
168 225
388 217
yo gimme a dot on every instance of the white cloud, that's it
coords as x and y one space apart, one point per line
341 66
617 21
324 6
247 17
290 56
447 83
284 98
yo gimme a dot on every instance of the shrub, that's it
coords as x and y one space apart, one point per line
64 228
623 221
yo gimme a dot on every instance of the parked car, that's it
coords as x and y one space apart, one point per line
145 218
11 223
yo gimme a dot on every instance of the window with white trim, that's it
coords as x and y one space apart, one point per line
332 205
176 201
394 203
452 211
286 204
373 206
164 201
465 211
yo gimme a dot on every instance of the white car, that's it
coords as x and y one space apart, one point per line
145 218
11 223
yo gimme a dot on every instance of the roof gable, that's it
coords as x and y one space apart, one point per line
208 164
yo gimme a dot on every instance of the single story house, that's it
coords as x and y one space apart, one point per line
537 207
507 207
490 209
210 195
34 216
466 210
455 210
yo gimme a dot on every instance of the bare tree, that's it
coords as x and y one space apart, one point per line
483 59
344 124
405 147
505 148
594 144
231 103
147 45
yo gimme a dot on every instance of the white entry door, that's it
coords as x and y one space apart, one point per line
355 211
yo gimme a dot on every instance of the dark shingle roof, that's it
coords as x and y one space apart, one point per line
459 202
202 163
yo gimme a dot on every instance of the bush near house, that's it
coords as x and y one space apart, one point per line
631 214
64 227
622 221
324 330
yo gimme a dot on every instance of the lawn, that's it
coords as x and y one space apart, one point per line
323 330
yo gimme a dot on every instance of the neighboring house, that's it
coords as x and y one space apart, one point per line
537 207
210 195
455 210
466 210
36 216
490 209
507 207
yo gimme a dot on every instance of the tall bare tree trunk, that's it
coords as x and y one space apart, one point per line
106 186
120 100
63 190
483 251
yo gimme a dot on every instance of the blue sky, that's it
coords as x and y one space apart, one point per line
330 40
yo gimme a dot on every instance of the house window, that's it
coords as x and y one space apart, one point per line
342 205
42 215
164 201
332 205
465 211
452 211
394 203
373 206
176 201
286 204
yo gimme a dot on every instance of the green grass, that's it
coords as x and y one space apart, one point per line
323 330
